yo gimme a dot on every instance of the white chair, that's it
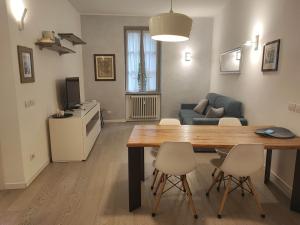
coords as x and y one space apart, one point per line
230 122
242 161
154 151
175 159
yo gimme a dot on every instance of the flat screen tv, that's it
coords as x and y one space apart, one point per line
72 93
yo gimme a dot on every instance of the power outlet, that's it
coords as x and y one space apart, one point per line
32 156
297 108
29 103
292 107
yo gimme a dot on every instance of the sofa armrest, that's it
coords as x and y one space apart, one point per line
188 106
214 121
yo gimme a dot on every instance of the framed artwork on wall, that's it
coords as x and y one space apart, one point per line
271 56
26 65
105 67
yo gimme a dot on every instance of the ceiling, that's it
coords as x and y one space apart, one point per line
193 8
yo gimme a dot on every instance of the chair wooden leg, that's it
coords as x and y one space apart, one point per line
216 179
161 190
154 179
228 187
190 198
159 182
182 182
262 213
153 173
242 179
220 181
214 172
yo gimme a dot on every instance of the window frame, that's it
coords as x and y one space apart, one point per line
158 60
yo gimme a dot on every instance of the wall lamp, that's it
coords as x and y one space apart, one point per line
19 12
254 43
188 56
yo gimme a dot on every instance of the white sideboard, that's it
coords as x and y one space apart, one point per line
73 138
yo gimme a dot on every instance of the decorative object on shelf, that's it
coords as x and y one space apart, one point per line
48 37
170 27
49 41
271 56
72 38
26 65
105 67
230 61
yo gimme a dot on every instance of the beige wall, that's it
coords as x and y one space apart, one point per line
265 95
179 82
50 68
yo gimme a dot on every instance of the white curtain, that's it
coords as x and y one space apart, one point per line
133 60
150 61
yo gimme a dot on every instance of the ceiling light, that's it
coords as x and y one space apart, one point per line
170 27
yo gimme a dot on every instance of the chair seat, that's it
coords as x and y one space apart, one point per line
217 162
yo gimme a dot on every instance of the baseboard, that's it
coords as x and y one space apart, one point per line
281 184
25 184
115 121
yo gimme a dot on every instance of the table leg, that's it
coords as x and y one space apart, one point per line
268 165
135 175
295 200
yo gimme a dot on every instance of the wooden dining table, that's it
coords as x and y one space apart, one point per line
203 137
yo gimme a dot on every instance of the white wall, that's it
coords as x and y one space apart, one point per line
265 95
179 82
50 69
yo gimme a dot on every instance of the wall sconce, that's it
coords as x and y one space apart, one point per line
188 56
238 55
254 43
19 12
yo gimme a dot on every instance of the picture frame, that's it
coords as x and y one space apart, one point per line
105 67
26 64
270 58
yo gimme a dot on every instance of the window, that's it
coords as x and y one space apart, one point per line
142 61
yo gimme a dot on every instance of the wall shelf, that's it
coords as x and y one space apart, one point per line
54 47
72 38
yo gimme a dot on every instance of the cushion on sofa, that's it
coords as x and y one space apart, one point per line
215 112
201 106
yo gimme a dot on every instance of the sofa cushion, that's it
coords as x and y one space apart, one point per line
187 115
232 108
201 106
215 112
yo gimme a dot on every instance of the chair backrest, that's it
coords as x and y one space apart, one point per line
169 121
229 121
244 160
175 158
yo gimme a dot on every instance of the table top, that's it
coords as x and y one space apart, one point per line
206 136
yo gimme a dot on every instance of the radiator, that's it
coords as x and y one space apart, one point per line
142 107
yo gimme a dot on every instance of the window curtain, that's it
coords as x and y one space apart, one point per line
150 62
133 60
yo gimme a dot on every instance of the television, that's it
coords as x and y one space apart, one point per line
72 93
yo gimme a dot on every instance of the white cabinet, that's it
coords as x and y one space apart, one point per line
73 138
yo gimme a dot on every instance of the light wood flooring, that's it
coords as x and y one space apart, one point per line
95 192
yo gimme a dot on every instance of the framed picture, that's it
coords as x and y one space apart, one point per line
271 56
26 67
105 68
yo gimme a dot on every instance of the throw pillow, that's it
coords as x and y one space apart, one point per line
215 113
201 106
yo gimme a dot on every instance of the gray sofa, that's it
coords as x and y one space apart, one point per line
232 108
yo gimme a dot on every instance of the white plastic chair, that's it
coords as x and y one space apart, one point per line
175 159
242 161
154 151
230 122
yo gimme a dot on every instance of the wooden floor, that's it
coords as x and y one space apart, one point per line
95 192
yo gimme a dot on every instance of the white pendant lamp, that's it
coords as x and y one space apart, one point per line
170 27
